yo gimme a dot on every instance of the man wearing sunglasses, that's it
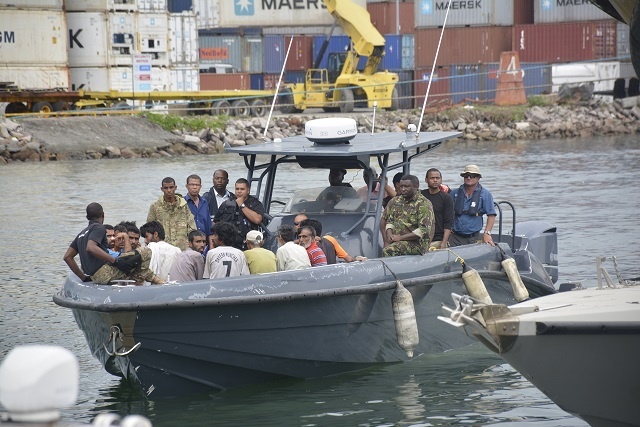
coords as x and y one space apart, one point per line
470 202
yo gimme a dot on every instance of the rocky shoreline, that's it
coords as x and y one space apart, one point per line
18 144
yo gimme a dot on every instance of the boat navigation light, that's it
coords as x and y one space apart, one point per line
331 130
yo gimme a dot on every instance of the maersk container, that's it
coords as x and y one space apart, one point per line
183 39
185 79
431 13
405 88
556 11
408 52
383 17
274 53
36 77
223 49
100 5
177 6
33 37
101 79
264 13
565 42
252 59
32 4
462 45
440 91
392 59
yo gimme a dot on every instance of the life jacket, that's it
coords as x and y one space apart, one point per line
475 202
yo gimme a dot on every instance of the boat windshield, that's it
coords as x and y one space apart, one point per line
325 199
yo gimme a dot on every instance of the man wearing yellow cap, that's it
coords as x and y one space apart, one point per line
470 202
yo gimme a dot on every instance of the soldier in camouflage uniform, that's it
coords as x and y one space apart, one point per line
407 222
108 273
171 210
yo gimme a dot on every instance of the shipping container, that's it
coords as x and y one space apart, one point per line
565 42
431 13
37 77
392 59
405 88
266 13
177 6
337 44
153 36
623 48
221 49
523 12
294 76
473 82
602 74
252 60
461 45
100 5
383 17
184 79
274 53
537 78
257 81
302 30
270 80
301 53
33 37
239 81
556 11
183 39
157 6
32 4
439 93
103 79
408 52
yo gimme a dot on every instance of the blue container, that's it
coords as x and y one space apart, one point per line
177 6
295 76
336 44
392 59
473 82
257 81
405 88
274 53
537 78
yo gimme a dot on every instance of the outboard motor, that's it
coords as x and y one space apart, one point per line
541 239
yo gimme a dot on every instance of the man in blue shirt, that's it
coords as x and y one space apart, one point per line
470 202
198 206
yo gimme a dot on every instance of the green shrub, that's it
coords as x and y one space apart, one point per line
191 123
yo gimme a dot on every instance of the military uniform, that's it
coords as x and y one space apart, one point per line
409 216
176 219
108 272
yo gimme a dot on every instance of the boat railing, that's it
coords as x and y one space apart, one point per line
513 219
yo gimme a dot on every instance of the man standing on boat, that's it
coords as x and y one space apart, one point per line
470 202
245 212
198 206
218 193
171 210
407 221
442 204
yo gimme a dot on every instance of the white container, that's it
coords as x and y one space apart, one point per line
100 5
602 74
32 4
152 35
262 13
39 77
554 11
103 79
152 6
32 37
184 79
183 39
431 13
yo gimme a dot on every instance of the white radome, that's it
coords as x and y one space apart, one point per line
331 130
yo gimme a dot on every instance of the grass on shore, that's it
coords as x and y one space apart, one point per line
170 122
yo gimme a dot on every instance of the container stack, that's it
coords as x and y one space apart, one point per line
33 44
119 45
184 72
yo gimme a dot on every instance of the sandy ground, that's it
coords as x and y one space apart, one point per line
81 134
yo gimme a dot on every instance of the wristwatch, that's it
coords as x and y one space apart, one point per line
242 206
487 231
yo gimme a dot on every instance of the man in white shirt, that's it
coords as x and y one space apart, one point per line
189 265
162 253
224 260
289 255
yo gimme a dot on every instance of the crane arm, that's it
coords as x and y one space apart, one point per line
356 23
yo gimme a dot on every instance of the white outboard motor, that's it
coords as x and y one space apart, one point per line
38 380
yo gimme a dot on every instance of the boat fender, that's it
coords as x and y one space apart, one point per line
404 315
474 284
520 291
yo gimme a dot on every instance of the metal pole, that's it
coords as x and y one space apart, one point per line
397 16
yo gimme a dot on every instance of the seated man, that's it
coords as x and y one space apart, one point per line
326 246
224 260
162 253
337 189
189 265
307 237
369 176
133 232
97 265
290 256
260 260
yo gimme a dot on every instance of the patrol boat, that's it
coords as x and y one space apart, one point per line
223 333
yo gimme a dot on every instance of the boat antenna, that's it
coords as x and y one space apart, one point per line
373 124
435 60
275 96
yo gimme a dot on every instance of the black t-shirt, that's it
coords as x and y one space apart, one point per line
96 232
442 210
230 212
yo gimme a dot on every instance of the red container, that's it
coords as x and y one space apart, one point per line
565 42
523 12
240 81
301 53
271 81
383 17
440 92
461 45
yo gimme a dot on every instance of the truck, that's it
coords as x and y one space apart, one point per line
341 86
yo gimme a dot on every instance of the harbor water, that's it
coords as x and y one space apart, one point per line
585 187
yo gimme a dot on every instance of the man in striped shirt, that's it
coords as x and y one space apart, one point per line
307 237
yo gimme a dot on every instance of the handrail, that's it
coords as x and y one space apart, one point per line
513 230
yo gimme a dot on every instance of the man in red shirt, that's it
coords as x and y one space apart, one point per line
307 237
